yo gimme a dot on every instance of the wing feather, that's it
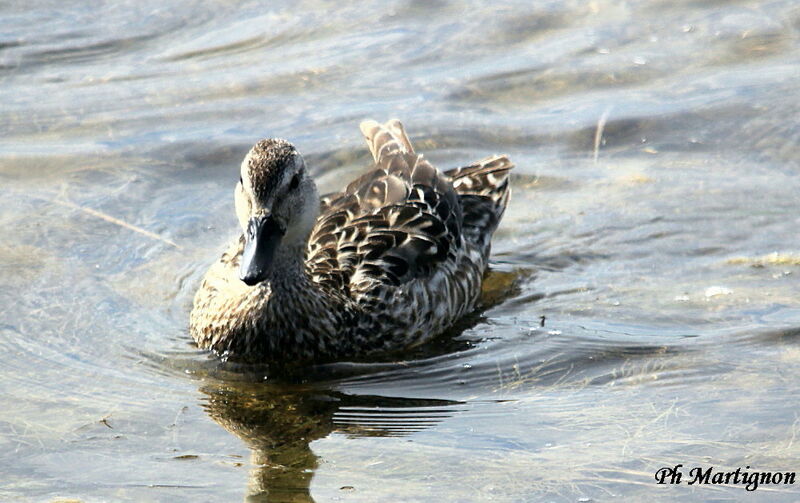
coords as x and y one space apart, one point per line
402 218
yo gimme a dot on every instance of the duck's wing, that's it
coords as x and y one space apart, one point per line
391 225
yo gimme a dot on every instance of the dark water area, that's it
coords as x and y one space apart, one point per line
653 224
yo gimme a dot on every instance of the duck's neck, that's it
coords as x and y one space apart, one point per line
299 315
287 271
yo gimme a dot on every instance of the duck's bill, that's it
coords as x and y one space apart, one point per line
261 241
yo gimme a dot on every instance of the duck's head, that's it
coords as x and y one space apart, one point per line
276 203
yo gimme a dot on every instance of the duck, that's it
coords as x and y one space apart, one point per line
389 262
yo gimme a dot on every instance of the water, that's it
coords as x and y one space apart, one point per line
653 225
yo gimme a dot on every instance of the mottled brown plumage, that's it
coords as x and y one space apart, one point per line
392 260
265 159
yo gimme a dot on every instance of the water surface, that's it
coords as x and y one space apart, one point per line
653 225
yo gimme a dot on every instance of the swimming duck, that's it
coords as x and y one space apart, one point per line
387 263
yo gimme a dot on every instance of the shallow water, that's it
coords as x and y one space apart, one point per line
653 225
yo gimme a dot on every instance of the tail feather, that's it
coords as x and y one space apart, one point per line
484 190
482 187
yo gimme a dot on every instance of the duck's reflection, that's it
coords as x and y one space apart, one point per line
278 424
278 421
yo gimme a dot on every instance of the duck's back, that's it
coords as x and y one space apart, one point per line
408 235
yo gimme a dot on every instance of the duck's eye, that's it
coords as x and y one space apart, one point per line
295 182
240 180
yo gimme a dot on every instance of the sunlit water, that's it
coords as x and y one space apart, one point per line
654 225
